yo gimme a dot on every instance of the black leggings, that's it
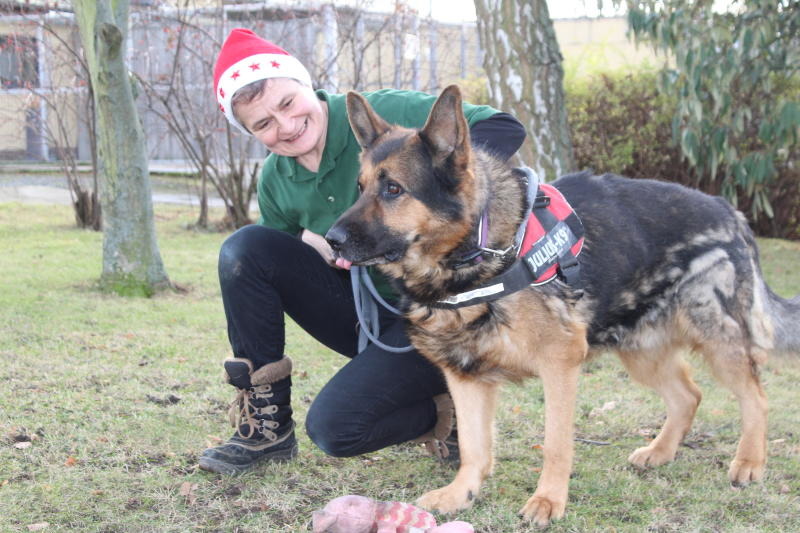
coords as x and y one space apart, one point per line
378 398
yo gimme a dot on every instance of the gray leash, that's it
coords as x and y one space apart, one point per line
367 311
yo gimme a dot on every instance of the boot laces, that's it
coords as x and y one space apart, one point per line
441 447
243 412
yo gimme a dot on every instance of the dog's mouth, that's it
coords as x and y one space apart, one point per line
384 258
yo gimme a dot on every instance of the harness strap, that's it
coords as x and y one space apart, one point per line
554 252
512 280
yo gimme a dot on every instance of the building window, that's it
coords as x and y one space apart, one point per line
18 62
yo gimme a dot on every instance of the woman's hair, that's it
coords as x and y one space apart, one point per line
249 92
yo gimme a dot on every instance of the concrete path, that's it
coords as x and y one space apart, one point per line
44 184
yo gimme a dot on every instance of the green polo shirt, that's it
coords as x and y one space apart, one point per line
292 198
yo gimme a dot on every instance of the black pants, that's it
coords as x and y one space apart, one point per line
378 398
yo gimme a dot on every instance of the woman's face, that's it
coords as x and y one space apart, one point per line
287 117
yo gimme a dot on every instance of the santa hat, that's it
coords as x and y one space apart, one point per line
244 58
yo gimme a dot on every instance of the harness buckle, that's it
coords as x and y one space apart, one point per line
497 253
541 201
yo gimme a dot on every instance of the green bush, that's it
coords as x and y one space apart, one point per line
620 123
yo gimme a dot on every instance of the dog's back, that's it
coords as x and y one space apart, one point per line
655 250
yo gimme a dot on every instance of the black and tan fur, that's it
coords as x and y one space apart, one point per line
665 270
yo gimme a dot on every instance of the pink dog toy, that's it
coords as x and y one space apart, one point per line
357 514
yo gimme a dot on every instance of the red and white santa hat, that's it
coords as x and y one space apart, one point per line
244 58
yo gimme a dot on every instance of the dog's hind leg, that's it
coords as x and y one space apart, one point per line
670 376
738 372
475 402
560 382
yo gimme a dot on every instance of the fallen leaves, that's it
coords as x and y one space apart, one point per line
213 440
187 490
608 406
38 526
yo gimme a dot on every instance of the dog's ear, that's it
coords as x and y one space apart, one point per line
446 132
366 124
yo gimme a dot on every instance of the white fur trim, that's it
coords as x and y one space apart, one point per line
254 68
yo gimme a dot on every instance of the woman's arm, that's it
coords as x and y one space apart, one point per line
501 134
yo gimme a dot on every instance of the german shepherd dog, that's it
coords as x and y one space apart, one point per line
664 270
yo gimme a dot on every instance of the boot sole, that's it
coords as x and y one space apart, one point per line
220 467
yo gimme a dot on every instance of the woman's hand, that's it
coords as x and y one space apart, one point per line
324 249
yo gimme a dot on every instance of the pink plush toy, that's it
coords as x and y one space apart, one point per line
357 514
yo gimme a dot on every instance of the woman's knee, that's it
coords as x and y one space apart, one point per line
249 245
334 436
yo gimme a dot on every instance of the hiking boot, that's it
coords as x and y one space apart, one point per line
261 414
442 441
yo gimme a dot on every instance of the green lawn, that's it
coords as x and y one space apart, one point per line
106 403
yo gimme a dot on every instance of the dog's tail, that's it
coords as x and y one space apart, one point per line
785 315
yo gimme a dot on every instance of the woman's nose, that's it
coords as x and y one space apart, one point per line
284 125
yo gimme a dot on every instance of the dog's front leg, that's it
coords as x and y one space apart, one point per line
475 403
560 381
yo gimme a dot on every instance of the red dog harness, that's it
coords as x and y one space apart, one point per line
548 244
553 237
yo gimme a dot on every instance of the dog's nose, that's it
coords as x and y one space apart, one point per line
336 237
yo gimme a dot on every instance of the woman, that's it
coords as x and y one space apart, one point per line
284 265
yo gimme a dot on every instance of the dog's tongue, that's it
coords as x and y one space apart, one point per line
341 262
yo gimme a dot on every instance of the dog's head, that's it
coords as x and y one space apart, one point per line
415 186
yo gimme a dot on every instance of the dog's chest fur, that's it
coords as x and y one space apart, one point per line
499 340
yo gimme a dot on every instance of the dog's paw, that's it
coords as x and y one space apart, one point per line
743 471
651 456
447 499
541 509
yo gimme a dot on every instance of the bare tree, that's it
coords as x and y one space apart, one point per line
47 44
180 96
523 63
131 259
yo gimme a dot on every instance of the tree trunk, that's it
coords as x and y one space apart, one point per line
131 259
523 62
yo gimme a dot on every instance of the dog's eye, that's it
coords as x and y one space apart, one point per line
360 188
393 190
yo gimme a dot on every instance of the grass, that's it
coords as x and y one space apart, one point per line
117 397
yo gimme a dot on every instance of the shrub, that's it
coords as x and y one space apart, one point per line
620 123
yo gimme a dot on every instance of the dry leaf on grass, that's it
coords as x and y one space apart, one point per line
38 526
213 440
608 406
187 491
